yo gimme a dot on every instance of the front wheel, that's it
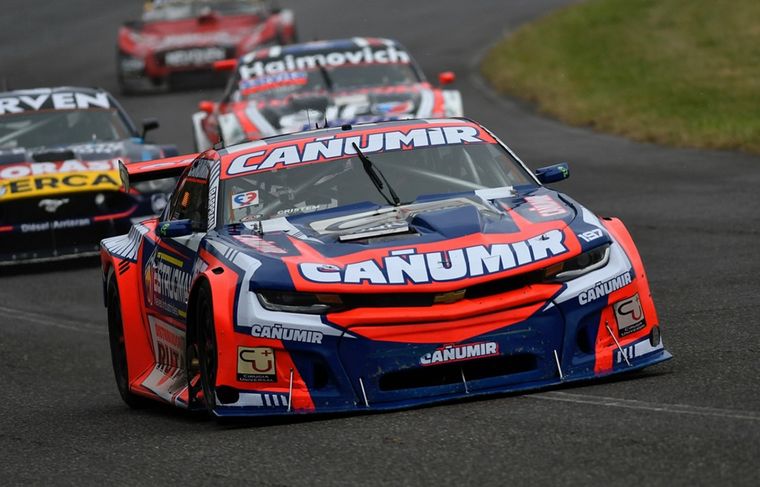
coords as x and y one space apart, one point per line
119 348
201 351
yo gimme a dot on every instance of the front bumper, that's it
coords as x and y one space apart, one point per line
569 334
278 402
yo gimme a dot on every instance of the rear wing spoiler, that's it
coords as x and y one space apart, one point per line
169 167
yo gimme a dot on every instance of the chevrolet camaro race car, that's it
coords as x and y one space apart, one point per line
60 192
370 267
328 83
177 41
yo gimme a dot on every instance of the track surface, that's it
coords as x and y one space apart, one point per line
694 215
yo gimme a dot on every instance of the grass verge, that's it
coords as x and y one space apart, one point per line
678 72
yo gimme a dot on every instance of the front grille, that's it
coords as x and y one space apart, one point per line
441 375
66 207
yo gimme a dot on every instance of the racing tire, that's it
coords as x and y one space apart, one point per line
119 349
201 353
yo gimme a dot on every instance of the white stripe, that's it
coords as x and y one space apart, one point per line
644 405
247 399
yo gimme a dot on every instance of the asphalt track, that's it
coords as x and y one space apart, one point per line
694 215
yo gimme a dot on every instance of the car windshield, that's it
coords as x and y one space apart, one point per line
371 75
49 128
179 9
412 173
282 85
346 77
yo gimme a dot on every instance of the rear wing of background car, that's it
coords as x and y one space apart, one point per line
170 167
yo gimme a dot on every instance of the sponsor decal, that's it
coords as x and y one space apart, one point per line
167 379
591 235
265 83
341 146
47 178
393 107
194 57
244 200
545 206
167 285
256 364
286 333
629 315
602 289
213 193
305 209
51 205
52 101
459 353
367 55
168 346
54 225
259 244
407 266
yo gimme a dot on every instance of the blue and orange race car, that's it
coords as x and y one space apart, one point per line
369 267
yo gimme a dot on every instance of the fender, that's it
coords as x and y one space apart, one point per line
621 234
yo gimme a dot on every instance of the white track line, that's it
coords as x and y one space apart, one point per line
644 405
46 320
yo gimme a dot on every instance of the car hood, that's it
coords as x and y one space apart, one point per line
224 31
439 243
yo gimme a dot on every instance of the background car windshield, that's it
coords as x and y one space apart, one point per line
412 173
282 85
369 75
60 127
177 10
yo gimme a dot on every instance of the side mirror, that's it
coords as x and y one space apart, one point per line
446 78
552 174
225 65
175 228
149 124
206 106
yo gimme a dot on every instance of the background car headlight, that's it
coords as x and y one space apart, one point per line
165 185
579 265
131 64
294 302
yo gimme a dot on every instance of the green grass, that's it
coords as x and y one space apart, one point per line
680 72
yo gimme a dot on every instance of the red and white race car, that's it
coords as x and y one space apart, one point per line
176 42
286 89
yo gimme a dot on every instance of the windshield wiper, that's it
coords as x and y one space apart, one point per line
326 76
373 172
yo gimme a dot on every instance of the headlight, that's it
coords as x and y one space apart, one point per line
579 265
129 63
293 302
165 185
